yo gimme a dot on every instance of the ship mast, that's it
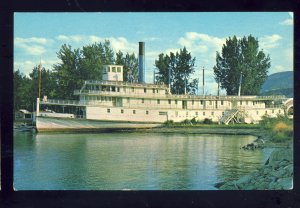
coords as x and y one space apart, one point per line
40 77
40 83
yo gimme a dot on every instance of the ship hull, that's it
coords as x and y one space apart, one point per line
48 124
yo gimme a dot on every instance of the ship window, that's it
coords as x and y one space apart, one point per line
108 110
266 112
153 90
272 111
162 113
143 100
118 89
204 113
133 111
157 91
222 102
212 113
113 88
145 90
132 89
175 101
210 103
108 69
122 111
192 102
147 112
201 102
158 101
169 101
119 69
223 113
241 102
113 69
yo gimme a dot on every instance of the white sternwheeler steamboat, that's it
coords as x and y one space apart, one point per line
112 104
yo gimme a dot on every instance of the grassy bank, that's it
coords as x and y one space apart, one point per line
207 123
279 129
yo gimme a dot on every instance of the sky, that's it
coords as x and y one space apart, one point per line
39 36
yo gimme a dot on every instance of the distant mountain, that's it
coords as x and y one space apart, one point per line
281 83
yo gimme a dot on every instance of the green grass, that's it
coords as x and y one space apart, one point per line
281 128
207 124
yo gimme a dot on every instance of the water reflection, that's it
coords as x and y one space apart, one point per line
139 161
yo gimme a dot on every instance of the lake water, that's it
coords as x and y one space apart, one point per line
135 161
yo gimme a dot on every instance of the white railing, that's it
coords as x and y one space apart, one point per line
60 102
118 83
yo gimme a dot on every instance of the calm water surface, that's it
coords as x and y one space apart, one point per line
137 161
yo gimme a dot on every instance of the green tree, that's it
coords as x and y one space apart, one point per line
130 65
68 72
241 58
21 91
181 68
78 65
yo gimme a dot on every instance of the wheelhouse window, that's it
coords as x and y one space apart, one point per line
145 90
222 102
176 102
113 69
169 101
119 69
122 110
108 110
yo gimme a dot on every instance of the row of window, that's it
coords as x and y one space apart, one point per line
112 69
122 111
187 113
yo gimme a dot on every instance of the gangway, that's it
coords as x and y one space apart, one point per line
229 115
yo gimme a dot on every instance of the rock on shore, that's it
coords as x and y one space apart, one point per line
276 174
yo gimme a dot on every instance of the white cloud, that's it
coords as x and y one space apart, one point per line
287 22
43 41
71 38
277 68
270 41
32 46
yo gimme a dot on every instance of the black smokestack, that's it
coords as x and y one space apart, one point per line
141 62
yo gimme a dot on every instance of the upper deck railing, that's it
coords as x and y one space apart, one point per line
129 84
174 96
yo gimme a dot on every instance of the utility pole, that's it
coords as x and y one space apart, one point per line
203 81
169 79
240 85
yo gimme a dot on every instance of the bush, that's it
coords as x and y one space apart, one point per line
169 123
281 128
207 121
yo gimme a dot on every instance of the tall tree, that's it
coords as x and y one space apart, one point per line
177 70
130 65
68 71
241 59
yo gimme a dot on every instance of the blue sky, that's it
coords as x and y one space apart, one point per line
40 35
